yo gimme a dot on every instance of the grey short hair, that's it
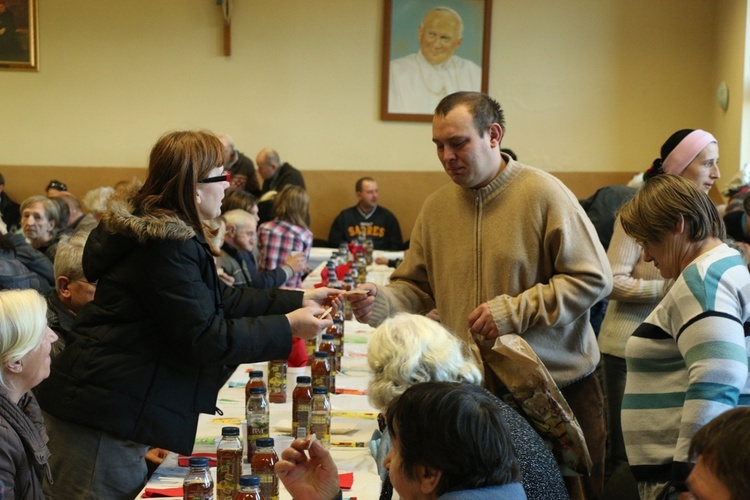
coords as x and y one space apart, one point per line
50 206
23 325
408 349
69 256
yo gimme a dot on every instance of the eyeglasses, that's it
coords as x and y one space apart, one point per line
56 185
226 176
92 283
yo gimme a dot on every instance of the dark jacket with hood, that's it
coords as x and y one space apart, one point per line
23 447
152 349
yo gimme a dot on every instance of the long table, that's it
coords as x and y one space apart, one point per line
353 419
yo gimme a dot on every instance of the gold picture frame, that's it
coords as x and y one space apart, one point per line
19 35
426 55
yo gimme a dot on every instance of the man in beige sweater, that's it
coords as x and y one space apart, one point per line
505 248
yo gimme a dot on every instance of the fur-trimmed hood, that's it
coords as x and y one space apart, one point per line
121 230
120 219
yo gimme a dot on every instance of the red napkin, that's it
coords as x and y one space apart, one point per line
355 248
346 480
340 274
183 460
162 492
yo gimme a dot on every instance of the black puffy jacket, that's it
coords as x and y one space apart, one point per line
152 349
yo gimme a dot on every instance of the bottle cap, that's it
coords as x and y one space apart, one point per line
257 390
255 373
198 462
230 431
320 390
327 336
249 480
304 379
264 442
319 354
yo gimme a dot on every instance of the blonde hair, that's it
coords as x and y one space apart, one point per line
408 349
290 205
23 325
658 206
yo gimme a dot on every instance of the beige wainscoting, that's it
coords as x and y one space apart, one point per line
330 190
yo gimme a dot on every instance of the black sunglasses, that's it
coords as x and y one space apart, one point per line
218 178
56 185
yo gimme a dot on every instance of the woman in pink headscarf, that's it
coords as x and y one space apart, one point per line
637 286
692 154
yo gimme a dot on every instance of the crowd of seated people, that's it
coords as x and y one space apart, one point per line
131 290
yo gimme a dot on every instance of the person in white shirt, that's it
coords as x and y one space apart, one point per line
417 82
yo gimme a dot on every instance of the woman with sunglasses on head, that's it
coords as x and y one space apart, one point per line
55 187
163 333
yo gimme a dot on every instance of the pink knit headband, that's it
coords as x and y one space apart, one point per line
686 151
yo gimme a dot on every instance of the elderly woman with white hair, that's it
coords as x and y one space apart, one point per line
25 344
96 200
408 349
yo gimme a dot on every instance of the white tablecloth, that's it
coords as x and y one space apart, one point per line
376 273
349 411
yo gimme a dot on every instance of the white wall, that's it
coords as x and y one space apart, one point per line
587 84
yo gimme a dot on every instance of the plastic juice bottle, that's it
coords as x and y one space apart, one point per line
327 345
257 419
321 416
277 381
255 379
361 267
249 488
198 483
321 370
338 340
301 406
348 285
311 347
262 463
228 463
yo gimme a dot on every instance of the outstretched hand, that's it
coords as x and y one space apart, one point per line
305 322
324 297
308 478
363 303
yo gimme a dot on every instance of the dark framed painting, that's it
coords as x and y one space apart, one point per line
432 49
18 35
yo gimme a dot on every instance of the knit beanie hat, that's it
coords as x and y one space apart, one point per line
678 151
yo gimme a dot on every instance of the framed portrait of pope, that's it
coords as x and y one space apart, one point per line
432 48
